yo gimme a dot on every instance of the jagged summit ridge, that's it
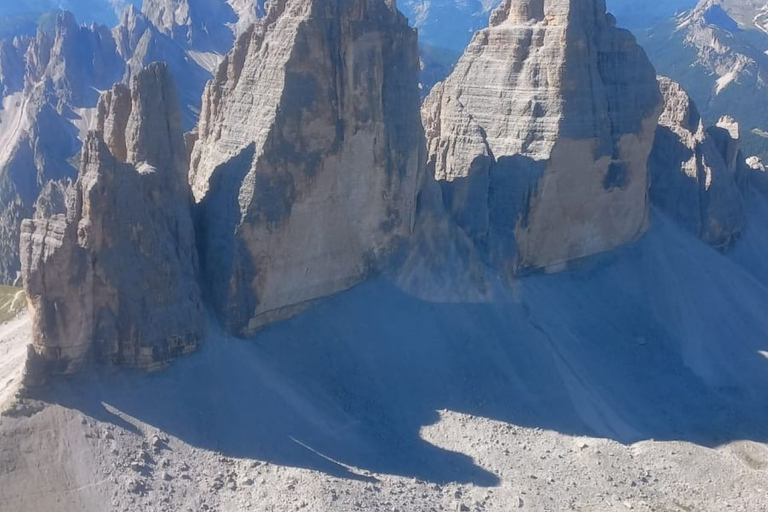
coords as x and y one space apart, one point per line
539 168
696 170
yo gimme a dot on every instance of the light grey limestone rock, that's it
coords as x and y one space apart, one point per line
695 170
37 143
78 60
309 156
114 279
50 86
541 134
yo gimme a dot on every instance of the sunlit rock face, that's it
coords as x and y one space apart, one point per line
308 158
695 171
110 266
541 134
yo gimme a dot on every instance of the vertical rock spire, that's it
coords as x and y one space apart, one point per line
309 156
114 279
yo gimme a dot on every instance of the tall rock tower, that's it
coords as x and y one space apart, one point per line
541 135
112 275
309 156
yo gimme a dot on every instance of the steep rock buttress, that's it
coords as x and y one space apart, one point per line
540 136
308 158
112 278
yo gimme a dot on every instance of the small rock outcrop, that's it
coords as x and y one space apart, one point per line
540 136
309 156
114 278
695 170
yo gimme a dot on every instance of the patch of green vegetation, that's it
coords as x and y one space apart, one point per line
12 302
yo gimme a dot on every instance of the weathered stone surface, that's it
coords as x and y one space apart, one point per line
309 156
541 135
694 170
37 144
114 279
50 86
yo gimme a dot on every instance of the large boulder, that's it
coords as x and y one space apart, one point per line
309 156
113 278
540 136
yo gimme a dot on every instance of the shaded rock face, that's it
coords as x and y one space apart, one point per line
11 66
113 278
77 60
309 156
46 82
200 24
695 170
541 135
38 143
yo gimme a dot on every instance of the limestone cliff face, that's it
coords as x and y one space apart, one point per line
309 156
114 278
49 86
541 135
695 170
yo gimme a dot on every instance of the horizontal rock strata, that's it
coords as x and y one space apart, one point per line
541 135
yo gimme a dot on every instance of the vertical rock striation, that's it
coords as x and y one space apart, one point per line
695 170
540 137
309 156
114 279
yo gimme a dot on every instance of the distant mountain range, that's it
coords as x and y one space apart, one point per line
717 52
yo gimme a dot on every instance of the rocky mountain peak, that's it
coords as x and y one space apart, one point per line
114 279
200 24
320 168
504 131
78 60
